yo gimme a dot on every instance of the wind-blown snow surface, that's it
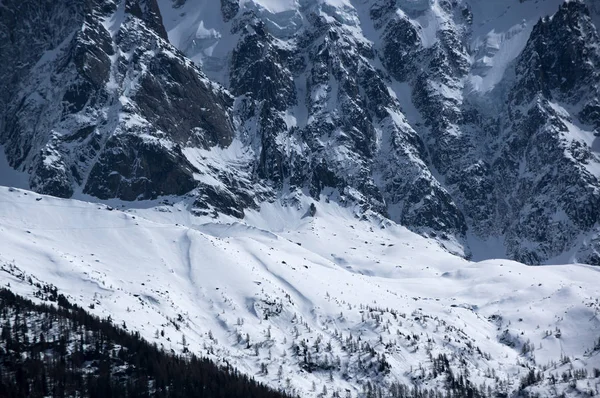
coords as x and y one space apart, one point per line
249 292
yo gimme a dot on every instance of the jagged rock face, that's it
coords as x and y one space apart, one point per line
538 192
416 110
109 105
560 59
555 193
55 22
435 71
229 9
321 118
260 74
115 175
147 11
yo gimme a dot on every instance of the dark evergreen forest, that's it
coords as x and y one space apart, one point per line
63 351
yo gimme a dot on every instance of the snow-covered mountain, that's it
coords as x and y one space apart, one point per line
312 303
437 114
316 192
472 122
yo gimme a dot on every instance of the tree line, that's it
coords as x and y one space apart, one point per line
62 351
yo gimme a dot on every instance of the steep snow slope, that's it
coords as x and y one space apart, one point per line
305 303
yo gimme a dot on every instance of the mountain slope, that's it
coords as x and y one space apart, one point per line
105 104
297 188
471 122
65 351
412 108
305 302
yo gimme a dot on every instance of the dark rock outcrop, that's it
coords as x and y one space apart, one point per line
106 103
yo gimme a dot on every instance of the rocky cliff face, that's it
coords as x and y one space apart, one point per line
322 119
104 104
465 120
548 156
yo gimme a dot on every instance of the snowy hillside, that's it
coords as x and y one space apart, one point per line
308 303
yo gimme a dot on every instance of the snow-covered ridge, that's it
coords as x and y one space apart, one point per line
255 292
